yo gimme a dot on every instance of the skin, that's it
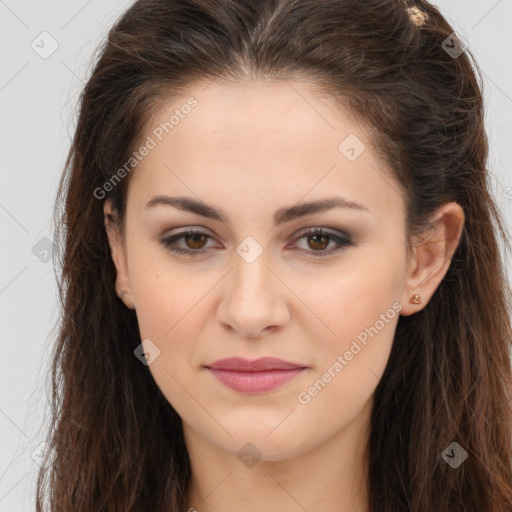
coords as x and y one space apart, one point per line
251 149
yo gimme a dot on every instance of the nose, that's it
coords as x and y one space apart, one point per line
253 299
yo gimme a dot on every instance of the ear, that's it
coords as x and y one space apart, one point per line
118 253
431 256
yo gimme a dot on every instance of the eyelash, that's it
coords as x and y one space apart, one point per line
343 241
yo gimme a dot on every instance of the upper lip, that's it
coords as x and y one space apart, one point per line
255 365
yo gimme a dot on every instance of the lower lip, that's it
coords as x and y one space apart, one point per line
255 382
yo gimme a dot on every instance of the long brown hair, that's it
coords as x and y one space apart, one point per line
116 443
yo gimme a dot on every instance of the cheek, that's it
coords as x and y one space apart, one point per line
359 311
355 298
164 293
168 308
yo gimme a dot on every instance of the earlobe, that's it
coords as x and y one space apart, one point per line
117 251
432 257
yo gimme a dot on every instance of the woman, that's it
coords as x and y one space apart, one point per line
281 279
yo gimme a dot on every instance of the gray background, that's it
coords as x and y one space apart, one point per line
38 99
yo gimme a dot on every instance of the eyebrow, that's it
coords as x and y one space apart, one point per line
281 216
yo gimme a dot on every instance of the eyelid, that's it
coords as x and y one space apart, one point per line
324 229
199 230
342 240
205 230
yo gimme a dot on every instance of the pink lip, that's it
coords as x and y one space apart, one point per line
254 376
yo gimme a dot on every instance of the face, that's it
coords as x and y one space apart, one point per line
253 285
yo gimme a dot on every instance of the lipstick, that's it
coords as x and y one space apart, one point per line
256 376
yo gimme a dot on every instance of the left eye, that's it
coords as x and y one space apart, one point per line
196 239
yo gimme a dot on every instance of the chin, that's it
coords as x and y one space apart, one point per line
265 444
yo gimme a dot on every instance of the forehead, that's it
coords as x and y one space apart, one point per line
259 115
259 140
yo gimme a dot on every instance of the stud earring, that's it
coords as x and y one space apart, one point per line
415 299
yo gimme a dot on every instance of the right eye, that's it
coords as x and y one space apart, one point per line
197 237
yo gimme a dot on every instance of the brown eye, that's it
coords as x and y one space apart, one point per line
194 242
320 241
197 240
317 242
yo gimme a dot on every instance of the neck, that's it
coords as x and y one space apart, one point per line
331 477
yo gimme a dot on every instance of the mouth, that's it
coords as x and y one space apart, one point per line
256 376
